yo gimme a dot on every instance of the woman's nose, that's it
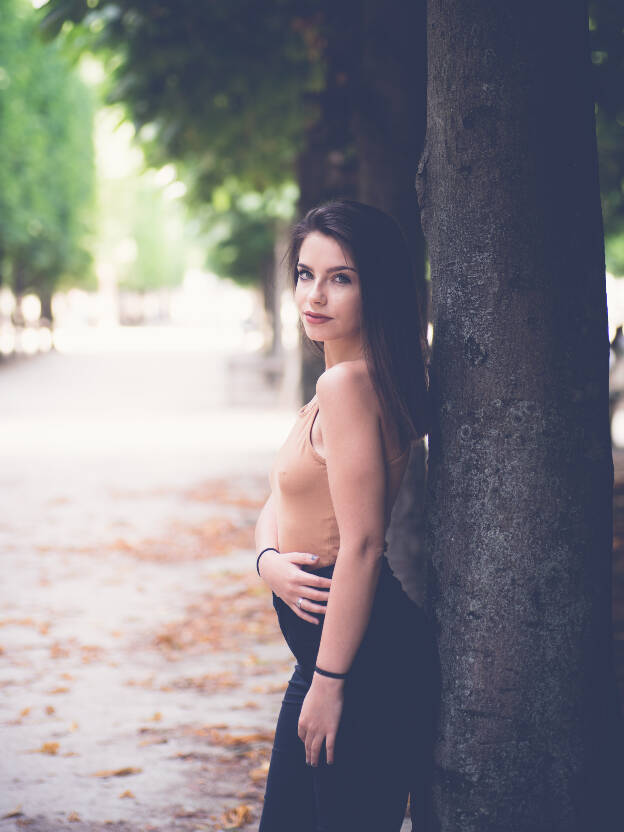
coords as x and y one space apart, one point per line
316 294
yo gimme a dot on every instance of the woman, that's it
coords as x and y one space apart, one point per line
355 719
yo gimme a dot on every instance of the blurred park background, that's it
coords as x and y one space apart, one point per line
153 155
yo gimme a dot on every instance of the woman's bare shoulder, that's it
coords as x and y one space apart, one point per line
347 383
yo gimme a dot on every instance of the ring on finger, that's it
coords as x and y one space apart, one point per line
299 601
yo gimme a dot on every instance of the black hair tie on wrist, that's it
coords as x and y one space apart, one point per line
329 673
272 548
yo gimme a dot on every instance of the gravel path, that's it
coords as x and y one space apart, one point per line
141 665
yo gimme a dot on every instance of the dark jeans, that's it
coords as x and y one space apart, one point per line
383 738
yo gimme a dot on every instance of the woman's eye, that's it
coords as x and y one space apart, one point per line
304 274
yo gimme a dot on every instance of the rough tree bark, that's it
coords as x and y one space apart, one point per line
519 498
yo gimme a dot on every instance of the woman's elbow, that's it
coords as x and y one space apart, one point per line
363 546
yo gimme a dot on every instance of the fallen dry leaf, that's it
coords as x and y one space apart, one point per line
260 773
48 748
278 687
188 813
230 740
117 772
234 818
24 622
153 741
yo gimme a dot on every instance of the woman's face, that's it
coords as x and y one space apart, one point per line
328 285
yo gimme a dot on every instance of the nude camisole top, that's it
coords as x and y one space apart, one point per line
300 489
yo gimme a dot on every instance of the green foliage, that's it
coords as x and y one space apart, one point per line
614 254
46 156
137 217
606 37
242 226
223 89
228 87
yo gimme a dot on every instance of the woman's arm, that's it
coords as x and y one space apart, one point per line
357 481
282 574
265 533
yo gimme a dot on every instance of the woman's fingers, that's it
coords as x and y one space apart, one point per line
313 749
330 744
310 606
306 558
317 580
318 594
303 614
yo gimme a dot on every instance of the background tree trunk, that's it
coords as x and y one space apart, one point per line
389 128
389 100
327 167
388 118
270 293
519 502
45 296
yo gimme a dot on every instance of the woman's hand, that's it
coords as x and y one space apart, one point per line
320 717
282 574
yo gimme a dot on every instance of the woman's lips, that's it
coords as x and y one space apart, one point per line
316 319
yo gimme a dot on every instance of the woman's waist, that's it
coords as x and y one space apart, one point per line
326 570
328 560
323 542
325 546
324 562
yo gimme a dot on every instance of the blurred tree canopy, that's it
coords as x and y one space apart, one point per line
47 171
229 87
225 91
239 221
142 234
221 86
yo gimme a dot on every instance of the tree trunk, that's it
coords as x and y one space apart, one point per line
388 118
45 296
19 282
389 101
270 294
327 166
520 479
389 129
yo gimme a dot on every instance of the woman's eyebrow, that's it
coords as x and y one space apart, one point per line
332 269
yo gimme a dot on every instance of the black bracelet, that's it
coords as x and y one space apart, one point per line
260 555
329 673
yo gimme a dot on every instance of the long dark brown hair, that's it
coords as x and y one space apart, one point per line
394 339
